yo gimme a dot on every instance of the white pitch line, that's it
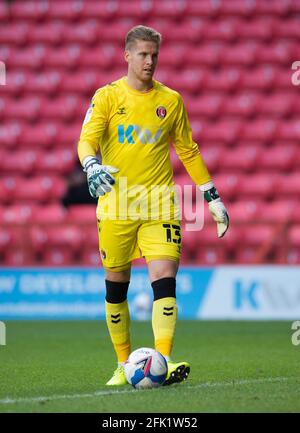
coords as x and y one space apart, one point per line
232 382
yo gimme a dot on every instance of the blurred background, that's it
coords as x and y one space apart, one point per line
232 63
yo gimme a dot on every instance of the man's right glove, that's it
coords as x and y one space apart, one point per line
216 207
99 176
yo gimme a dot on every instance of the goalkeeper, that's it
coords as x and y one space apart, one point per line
131 123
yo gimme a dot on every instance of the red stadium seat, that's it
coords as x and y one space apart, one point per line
61 108
208 55
279 104
85 82
294 236
190 80
16 257
245 211
60 161
68 135
213 156
262 129
26 109
40 189
256 235
193 29
288 28
48 214
243 104
29 10
64 57
50 33
90 257
24 160
4 11
98 10
27 58
279 211
246 255
205 9
210 256
259 78
44 83
278 53
9 237
67 10
136 9
225 80
259 28
87 32
295 217
243 54
258 185
15 86
40 135
172 55
174 9
228 185
288 185
66 235
238 8
83 214
276 7
223 30
14 34
90 235
225 131
16 213
58 257
242 158
116 30
207 105
278 158
289 130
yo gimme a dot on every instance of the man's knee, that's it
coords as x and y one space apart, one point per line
119 276
159 269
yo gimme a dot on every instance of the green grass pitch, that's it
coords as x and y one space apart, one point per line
235 367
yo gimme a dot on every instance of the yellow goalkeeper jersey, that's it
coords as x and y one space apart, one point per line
133 131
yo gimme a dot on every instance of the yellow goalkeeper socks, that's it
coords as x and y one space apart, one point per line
118 322
164 316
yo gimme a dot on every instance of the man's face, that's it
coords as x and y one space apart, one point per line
142 59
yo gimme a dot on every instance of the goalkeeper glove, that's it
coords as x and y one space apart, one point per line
216 207
99 176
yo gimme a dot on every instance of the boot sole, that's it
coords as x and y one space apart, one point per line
179 375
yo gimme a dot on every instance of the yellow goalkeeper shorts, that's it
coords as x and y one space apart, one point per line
120 242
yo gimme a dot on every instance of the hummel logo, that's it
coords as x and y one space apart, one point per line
115 316
168 309
122 110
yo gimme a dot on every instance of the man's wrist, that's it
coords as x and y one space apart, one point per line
210 191
88 161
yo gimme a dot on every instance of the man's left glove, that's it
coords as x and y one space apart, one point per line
99 176
216 207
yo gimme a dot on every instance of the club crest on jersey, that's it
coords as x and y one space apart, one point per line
161 112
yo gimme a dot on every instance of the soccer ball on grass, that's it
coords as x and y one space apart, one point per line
146 368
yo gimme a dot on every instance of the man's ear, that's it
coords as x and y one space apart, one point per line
126 55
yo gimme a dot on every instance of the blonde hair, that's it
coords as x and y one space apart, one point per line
142 33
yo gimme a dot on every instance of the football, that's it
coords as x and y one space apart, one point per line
146 368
